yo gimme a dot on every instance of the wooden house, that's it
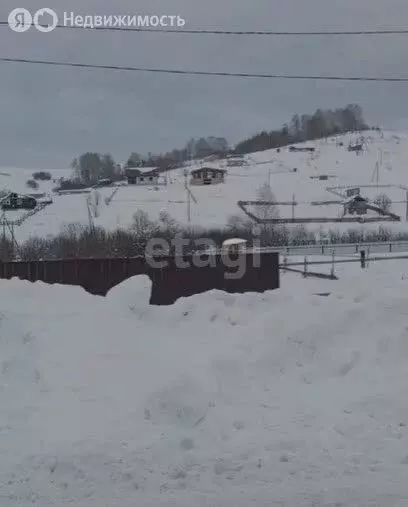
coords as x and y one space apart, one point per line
142 175
356 205
207 176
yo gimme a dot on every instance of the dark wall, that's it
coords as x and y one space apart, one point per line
169 282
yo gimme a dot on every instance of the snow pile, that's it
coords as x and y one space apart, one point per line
285 398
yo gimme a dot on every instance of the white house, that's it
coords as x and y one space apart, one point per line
234 245
236 160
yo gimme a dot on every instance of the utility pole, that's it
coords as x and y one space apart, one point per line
376 171
187 196
90 219
293 207
379 164
188 207
3 217
406 198
10 227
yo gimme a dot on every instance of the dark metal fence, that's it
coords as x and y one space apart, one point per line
259 272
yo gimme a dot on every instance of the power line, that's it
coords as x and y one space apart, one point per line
397 31
204 73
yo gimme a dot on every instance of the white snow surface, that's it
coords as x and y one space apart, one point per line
218 400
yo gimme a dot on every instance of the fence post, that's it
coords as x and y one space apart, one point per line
390 247
332 268
362 259
285 262
305 267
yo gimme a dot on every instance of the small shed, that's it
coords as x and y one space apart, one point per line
234 245
207 176
358 148
310 149
356 205
142 176
350 192
104 182
236 161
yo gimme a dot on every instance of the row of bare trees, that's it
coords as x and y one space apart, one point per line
78 241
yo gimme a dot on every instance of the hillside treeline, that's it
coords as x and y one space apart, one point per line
89 167
323 123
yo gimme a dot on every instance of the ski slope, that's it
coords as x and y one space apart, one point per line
216 204
220 400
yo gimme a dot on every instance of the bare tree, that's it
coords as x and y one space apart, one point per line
266 211
383 201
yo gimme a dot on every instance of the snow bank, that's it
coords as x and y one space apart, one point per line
284 398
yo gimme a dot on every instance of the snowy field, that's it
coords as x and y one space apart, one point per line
219 400
216 204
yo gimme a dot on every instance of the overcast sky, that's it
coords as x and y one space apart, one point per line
51 114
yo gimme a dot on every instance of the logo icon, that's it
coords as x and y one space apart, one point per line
45 20
20 20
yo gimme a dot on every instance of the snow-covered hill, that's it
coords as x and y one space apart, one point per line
290 174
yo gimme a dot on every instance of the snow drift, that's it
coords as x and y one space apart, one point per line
284 398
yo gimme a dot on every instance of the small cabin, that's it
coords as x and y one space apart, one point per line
309 149
234 246
351 192
357 205
236 161
207 176
142 176
358 148
104 182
